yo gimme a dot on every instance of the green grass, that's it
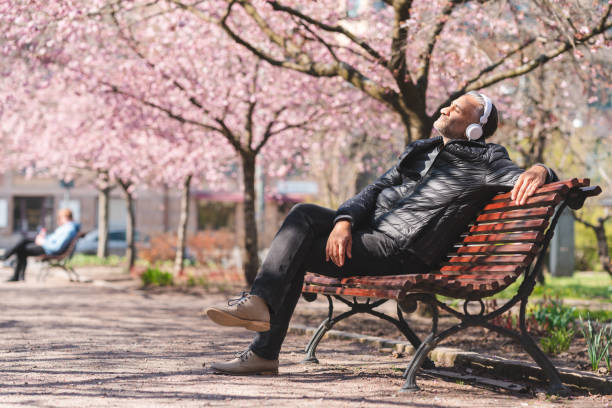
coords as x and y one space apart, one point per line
582 285
92 260
156 277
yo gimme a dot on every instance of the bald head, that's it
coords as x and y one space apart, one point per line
461 113
64 215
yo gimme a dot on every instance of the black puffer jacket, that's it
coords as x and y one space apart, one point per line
426 215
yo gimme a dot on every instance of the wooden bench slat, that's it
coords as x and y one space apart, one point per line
483 268
372 293
531 213
546 189
535 201
321 280
530 248
558 186
513 226
511 237
495 259
390 281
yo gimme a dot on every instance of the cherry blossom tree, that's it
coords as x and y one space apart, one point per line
144 53
414 56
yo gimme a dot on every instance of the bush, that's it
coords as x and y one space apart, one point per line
156 277
559 340
552 315
162 247
211 247
598 341
206 246
92 260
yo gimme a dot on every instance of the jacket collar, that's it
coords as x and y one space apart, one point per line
478 142
454 145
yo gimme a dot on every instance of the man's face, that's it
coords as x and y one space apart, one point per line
455 118
61 219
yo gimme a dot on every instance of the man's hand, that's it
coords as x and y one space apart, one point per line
339 243
527 183
40 237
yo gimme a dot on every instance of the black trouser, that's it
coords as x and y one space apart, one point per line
299 246
24 248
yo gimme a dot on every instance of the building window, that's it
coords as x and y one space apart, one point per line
32 213
215 215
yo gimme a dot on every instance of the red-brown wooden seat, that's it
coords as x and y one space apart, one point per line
505 241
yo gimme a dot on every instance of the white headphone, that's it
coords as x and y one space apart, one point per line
474 131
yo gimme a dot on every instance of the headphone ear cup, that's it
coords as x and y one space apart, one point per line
473 131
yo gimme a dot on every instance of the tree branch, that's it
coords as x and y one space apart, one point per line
303 62
583 221
397 64
422 74
485 70
267 133
333 29
178 117
133 44
543 58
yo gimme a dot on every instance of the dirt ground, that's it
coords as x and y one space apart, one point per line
110 344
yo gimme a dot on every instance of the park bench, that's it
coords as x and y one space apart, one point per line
505 241
60 261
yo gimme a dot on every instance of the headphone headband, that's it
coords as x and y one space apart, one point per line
487 110
475 130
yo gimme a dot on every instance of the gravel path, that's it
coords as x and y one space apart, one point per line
112 345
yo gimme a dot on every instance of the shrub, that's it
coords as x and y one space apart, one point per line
211 247
206 246
552 315
598 342
558 340
156 277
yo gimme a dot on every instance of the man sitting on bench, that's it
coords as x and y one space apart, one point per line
43 244
402 223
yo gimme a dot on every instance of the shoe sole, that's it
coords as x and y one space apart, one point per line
226 319
266 372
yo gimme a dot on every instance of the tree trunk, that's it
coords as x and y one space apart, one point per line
103 205
418 125
602 245
130 252
251 260
602 242
182 228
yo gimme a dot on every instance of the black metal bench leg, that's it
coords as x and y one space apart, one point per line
411 336
420 356
417 361
318 335
556 386
326 326
314 342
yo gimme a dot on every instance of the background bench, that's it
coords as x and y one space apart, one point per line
60 261
505 241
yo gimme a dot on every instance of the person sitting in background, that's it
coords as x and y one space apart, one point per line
43 244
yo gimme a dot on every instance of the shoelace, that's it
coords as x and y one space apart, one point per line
243 355
244 296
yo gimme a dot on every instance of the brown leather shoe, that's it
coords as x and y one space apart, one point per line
247 363
248 311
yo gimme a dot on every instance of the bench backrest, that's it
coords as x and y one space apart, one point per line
66 253
504 241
